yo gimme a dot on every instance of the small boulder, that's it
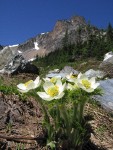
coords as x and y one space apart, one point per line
107 64
106 99
95 73
68 70
65 71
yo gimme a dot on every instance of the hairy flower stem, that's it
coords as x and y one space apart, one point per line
46 117
57 118
81 109
75 111
66 117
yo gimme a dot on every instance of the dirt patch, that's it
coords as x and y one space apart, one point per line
21 125
102 126
20 122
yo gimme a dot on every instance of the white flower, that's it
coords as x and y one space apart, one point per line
71 77
89 85
25 87
53 79
72 87
52 91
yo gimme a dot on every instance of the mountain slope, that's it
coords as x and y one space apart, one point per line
65 31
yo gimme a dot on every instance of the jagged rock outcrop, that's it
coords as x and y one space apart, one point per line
1 47
19 65
75 28
51 41
5 56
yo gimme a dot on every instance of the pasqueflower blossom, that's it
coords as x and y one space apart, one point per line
52 90
25 87
89 85
71 77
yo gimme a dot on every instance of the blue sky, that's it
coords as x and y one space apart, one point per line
23 19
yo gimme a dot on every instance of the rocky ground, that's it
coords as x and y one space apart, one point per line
21 123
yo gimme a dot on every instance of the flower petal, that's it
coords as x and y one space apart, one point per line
45 96
37 82
82 76
47 85
61 87
59 83
59 96
31 85
46 79
89 90
94 86
21 86
80 85
79 75
92 80
23 91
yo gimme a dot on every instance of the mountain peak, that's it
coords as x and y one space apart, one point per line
42 44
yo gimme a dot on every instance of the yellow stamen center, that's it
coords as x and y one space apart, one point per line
27 83
86 83
53 91
74 76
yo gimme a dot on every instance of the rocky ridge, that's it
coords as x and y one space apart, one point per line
44 43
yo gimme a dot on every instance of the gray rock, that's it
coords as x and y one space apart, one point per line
106 100
68 70
19 65
7 54
65 71
107 64
95 73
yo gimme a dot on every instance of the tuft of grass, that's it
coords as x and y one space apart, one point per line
20 146
10 90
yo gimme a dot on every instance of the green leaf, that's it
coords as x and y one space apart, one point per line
51 144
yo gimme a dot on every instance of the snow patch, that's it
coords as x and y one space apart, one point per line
31 59
13 45
42 33
19 52
36 46
11 63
